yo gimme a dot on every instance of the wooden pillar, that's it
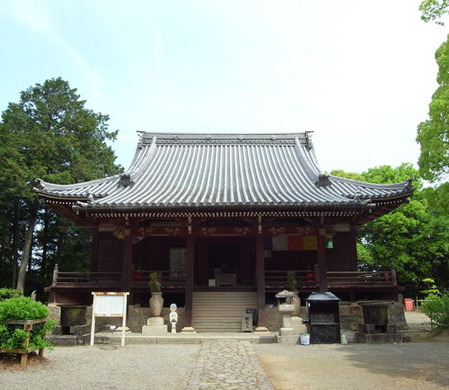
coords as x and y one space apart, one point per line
322 261
127 262
260 284
189 282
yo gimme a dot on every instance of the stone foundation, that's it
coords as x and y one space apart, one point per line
351 317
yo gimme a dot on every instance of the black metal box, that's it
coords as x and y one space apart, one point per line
323 318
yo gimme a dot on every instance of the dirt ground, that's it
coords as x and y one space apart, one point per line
420 364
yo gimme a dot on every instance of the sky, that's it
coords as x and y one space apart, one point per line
359 74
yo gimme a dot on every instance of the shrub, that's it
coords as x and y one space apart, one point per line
291 281
19 309
22 308
155 282
6 293
436 307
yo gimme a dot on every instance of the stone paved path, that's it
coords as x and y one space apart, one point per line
228 365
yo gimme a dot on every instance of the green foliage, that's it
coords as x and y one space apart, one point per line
291 280
38 335
413 239
431 287
51 135
58 139
23 308
365 257
436 307
434 10
347 175
7 293
385 174
433 134
155 282
12 336
438 198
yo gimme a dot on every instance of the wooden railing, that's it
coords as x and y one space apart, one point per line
278 279
307 280
169 279
360 278
109 279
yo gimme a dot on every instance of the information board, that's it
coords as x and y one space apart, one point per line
109 304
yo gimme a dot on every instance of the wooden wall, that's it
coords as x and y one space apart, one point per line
343 257
109 254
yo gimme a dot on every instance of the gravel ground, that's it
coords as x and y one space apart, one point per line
415 365
130 367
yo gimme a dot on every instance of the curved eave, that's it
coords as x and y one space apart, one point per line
197 172
94 189
358 213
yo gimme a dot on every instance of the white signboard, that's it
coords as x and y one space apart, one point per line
109 304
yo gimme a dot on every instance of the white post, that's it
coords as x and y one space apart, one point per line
124 318
92 328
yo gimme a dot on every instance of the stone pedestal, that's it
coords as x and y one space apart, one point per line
298 326
287 331
154 330
155 321
286 310
297 302
155 326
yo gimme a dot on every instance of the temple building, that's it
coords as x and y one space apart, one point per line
223 217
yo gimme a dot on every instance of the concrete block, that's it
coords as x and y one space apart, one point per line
64 340
287 332
298 326
155 321
80 330
154 330
289 340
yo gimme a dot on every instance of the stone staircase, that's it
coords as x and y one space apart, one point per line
221 311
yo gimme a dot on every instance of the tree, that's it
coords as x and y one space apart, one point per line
413 239
50 135
347 175
433 134
434 10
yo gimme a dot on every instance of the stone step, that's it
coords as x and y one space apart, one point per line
221 311
114 338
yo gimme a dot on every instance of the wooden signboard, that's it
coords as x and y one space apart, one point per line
109 304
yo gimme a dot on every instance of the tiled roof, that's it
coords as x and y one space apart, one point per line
223 170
